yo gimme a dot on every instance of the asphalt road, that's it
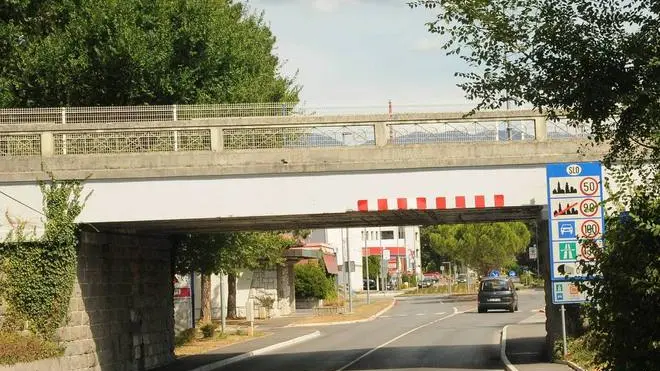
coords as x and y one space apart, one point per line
418 333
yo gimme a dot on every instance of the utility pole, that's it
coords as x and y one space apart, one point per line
382 260
350 286
222 303
366 249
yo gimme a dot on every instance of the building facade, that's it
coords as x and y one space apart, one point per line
400 245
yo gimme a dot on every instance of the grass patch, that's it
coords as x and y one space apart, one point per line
361 311
17 348
203 345
580 351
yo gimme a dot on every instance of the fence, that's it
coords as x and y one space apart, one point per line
182 129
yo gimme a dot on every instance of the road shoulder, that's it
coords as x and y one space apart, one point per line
523 347
238 352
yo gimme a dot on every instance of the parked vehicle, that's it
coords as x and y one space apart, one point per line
497 293
372 284
425 282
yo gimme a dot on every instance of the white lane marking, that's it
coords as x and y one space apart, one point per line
397 338
440 313
421 314
507 364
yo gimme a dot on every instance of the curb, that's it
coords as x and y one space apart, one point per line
270 348
570 364
508 366
345 322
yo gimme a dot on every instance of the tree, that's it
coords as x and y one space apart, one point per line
202 253
228 253
374 266
253 250
594 61
97 52
598 63
483 246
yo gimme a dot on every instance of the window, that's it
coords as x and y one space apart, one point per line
372 235
402 232
494 285
387 235
364 238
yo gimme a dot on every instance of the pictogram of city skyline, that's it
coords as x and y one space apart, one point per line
568 189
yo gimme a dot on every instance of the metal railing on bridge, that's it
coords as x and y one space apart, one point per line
181 128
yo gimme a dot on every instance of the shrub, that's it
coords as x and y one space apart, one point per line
411 279
208 329
311 282
184 337
17 348
626 290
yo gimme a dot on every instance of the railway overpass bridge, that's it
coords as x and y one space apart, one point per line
169 168
156 170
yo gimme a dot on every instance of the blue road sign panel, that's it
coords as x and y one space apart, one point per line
566 229
575 214
512 273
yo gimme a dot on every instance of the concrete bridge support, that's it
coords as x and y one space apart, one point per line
121 311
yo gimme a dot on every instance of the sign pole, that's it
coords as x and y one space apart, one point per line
563 327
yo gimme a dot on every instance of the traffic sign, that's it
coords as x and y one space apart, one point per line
575 213
564 292
512 273
533 253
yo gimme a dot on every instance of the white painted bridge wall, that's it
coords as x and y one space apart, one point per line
192 198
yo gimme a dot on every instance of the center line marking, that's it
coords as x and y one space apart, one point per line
397 338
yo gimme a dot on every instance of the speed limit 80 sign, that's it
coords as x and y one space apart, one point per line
575 211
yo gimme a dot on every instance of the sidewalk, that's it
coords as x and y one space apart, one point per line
525 346
231 353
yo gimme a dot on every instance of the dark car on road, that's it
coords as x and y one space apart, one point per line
425 282
497 293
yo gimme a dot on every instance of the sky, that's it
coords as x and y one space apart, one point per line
362 53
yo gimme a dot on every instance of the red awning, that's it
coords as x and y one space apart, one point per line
330 263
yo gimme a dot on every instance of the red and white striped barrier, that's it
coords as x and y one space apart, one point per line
431 203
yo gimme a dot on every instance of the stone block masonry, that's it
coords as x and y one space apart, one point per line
121 311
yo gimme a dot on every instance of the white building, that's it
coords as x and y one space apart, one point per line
402 244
